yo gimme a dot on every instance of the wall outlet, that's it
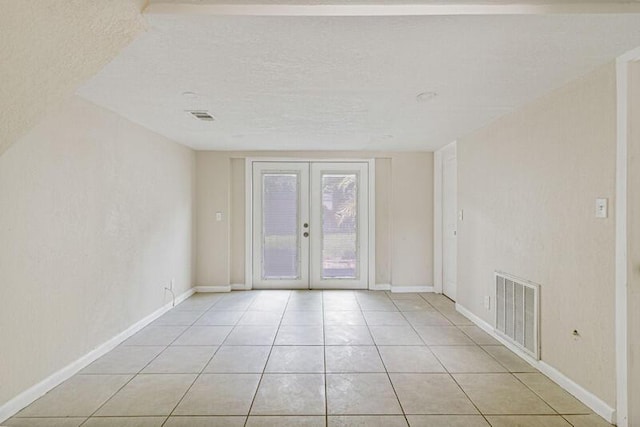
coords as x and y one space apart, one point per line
487 302
218 216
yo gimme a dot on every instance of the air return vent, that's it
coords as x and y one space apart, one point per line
201 115
517 312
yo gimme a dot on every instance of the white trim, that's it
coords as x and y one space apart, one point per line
248 223
309 159
380 287
221 288
437 221
372 222
248 171
622 129
387 10
592 401
589 399
621 243
406 289
437 215
301 171
238 286
28 396
363 249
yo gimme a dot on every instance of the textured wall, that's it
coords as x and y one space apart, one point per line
412 219
212 237
48 47
95 220
528 185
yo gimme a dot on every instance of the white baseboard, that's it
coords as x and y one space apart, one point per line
380 287
589 399
224 288
238 287
585 396
404 289
28 396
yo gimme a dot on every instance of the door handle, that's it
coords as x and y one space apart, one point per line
305 234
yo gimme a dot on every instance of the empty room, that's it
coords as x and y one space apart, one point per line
316 213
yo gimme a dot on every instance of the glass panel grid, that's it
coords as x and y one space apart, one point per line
280 216
340 257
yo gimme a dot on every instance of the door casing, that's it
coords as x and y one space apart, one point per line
449 224
249 161
438 255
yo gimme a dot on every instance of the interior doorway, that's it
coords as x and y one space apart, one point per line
449 223
446 220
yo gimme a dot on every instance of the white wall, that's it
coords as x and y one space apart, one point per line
528 184
95 219
212 237
404 215
412 219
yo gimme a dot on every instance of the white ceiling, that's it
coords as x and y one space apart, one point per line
347 83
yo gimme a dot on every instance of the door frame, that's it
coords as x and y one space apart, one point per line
621 415
438 256
303 172
248 206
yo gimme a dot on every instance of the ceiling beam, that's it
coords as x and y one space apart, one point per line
450 9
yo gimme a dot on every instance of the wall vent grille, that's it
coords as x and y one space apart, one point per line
517 312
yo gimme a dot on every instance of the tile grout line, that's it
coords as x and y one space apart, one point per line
275 337
358 296
538 395
451 375
138 373
508 372
203 367
324 352
212 356
386 370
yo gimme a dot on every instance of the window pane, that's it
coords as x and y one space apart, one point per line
280 248
340 226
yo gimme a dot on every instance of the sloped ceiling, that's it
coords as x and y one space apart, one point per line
49 47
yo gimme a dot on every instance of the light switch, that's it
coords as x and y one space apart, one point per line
601 208
218 216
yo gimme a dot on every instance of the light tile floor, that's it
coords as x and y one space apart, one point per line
309 358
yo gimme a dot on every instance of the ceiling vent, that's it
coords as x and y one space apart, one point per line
201 115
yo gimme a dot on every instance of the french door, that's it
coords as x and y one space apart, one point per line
310 225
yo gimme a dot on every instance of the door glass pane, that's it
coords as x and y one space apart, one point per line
340 226
280 247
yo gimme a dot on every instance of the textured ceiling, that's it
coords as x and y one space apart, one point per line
348 83
48 47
